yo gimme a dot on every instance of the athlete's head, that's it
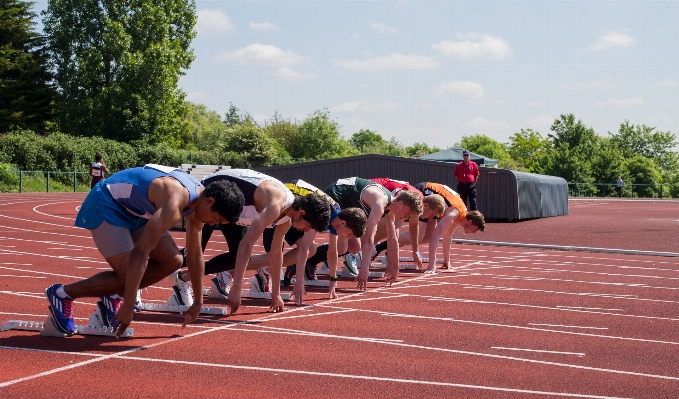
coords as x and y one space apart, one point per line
475 222
433 206
311 212
350 222
408 203
98 157
228 200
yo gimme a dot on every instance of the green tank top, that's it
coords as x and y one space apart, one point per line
347 192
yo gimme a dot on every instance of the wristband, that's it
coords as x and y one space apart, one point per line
334 278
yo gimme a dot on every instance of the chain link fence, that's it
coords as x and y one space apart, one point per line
631 190
33 181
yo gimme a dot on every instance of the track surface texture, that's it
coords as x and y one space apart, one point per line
504 323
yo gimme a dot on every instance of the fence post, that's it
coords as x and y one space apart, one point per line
21 181
74 181
661 190
48 181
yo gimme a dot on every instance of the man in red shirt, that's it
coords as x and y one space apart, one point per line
467 173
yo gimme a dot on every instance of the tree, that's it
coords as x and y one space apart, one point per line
252 142
234 116
572 135
206 129
640 171
420 149
484 145
366 138
524 147
25 90
117 64
318 138
607 164
643 140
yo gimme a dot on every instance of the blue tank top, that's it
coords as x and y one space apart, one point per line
129 190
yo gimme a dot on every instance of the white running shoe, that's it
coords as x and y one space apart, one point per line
352 262
138 304
223 283
182 289
261 282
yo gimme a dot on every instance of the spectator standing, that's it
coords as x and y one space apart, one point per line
98 169
618 186
467 173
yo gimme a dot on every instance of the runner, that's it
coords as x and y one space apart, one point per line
128 215
455 214
269 204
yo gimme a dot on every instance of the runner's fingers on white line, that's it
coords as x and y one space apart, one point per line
191 314
233 300
298 294
332 286
362 283
277 304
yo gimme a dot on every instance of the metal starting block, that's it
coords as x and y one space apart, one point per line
173 306
49 328
402 266
312 283
213 293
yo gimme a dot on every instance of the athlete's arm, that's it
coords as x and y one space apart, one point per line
169 197
447 222
302 256
272 200
392 247
195 264
414 229
332 263
376 200
276 264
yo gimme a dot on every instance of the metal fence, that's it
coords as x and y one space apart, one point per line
629 190
43 181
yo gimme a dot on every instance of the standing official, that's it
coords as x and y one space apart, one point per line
467 173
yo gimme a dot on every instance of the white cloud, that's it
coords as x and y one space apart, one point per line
364 106
474 47
540 122
263 54
392 61
595 84
471 90
667 83
535 104
195 96
626 102
382 28
287 73
263 26
213 22
600 104
355 36
500 102
485 124
613 39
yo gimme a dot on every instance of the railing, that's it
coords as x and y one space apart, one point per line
43 181
631 190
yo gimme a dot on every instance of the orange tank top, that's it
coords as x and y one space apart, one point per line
450 196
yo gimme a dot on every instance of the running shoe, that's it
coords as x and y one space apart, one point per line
223 283
261 282
182 289
183 252
138 304
310 272
108 307
288 275
351 262
61 309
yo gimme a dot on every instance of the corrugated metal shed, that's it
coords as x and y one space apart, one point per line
502 194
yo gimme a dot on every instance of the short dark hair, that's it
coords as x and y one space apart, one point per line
477 219
316 210
97 157
229 200
356 220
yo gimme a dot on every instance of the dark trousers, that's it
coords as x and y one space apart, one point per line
467 191
226 261
619 191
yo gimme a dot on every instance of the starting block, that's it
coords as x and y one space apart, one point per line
174 305
402 266
213 293
49 328
383 259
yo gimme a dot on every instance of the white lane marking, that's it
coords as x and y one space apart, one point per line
66 249
301 372
78 258
41 222
62 243
46 273
537 350
35 209
315 314
14 275
43 232
562 326
580 307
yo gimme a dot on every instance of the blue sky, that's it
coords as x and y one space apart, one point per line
432 71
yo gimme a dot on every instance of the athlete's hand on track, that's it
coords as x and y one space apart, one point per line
331 287
277 304
298 291
362 279
233 300
122 319
417 260
192 314
446 265
391 277
432 268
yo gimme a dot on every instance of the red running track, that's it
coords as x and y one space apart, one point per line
508 323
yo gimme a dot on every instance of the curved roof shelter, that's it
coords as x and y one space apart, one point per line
454 154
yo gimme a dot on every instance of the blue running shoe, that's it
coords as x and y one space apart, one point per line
61 309
108 307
